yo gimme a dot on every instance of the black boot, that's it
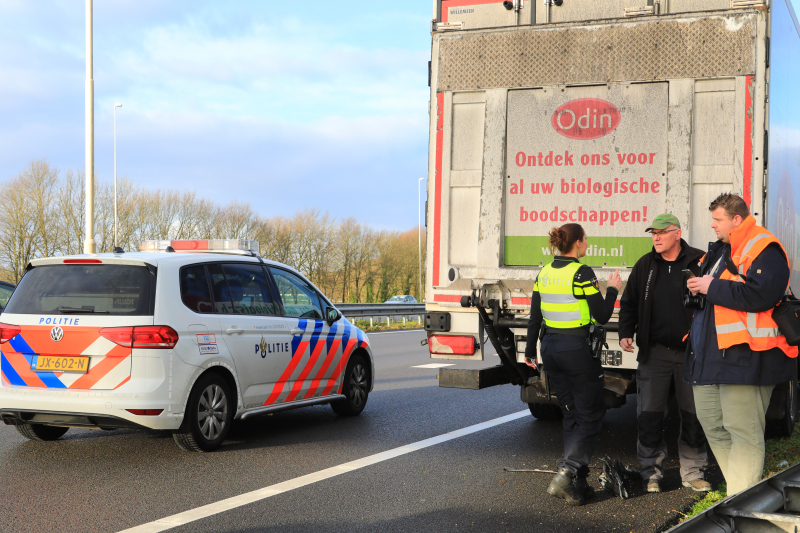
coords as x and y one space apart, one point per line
562 486
583 487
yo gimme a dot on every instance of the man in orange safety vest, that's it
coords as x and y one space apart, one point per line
736 353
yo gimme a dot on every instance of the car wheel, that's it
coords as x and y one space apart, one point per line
356 388
40 432
209 415
546 411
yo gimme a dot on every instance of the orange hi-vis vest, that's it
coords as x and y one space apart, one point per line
740 327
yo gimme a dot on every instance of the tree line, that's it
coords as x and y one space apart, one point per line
43 214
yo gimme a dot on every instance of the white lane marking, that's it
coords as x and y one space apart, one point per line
434 365
273 490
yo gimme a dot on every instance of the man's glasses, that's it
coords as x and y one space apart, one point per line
662 233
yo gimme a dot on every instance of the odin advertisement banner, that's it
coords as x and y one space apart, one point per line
596 156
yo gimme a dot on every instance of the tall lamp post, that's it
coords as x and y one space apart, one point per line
419 234
115 173
88 241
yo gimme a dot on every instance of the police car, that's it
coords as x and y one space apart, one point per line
185 336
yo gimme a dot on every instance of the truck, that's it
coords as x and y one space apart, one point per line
604 113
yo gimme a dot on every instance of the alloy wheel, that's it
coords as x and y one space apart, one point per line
212 412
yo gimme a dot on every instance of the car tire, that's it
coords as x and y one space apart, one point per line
40 432
209 415
356 388
546 411
784 427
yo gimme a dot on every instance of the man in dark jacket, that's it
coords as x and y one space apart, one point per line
736 353
652 309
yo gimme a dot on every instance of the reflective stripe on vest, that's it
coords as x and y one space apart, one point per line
560 307
758 330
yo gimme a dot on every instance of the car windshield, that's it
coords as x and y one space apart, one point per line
396 299
83 289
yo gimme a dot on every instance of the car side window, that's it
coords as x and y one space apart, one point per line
241 288
195 292
299 299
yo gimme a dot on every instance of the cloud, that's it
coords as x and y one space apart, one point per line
238 100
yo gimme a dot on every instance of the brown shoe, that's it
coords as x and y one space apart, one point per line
698 485
652 485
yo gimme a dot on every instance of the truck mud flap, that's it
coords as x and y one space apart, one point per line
459 378
771 505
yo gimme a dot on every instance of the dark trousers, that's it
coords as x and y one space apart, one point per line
578 383
655 378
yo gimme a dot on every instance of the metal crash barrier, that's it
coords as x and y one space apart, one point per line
772 505
381 311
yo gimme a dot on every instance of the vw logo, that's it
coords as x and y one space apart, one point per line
57 333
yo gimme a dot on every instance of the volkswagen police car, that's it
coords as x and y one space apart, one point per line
186 336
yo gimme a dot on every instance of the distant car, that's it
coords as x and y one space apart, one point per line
401 299
6 289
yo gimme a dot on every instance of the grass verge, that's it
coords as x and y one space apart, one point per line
780 455
396 326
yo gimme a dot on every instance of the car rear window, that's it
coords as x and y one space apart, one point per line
84 289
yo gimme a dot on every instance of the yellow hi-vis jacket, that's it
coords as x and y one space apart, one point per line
564 303
740 327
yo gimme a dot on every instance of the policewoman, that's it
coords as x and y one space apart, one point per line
567 298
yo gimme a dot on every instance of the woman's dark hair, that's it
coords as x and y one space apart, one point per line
565 237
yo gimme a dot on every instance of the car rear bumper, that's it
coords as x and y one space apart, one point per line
84 409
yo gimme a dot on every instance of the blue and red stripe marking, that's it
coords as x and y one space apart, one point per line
23 350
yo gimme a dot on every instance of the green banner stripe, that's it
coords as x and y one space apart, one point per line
603 251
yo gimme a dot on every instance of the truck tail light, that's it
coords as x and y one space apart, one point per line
8 332
153 337
452 344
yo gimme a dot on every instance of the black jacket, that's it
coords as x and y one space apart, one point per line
766 282
636 303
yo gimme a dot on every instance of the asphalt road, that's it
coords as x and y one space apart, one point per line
111 481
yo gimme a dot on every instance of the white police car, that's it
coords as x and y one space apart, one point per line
184 336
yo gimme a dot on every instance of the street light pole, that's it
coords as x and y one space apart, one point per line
419 234
115 173
88 242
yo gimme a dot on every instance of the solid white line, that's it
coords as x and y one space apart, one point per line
273 490
434 365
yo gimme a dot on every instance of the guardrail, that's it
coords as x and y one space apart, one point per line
373 311
771 505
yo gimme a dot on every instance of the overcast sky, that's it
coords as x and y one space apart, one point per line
283 104
286 105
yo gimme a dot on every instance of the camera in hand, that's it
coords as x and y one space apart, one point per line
694 301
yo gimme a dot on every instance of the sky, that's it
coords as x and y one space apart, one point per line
286 105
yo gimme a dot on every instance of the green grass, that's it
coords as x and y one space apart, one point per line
381 326
777 451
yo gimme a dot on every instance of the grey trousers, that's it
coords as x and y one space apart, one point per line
655 379
734 417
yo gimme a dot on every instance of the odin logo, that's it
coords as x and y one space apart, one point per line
586 118
57 333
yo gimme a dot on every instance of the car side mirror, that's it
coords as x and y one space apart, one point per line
332 315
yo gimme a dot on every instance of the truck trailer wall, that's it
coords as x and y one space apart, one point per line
783 164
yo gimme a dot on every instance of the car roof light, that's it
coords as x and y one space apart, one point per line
241 246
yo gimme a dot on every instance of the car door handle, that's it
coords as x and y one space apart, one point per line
296 331
231 331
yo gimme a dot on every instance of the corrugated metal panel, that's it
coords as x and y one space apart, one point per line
654 49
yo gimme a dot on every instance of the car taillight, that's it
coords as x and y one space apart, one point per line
145 412
153 337
452 344
8 332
